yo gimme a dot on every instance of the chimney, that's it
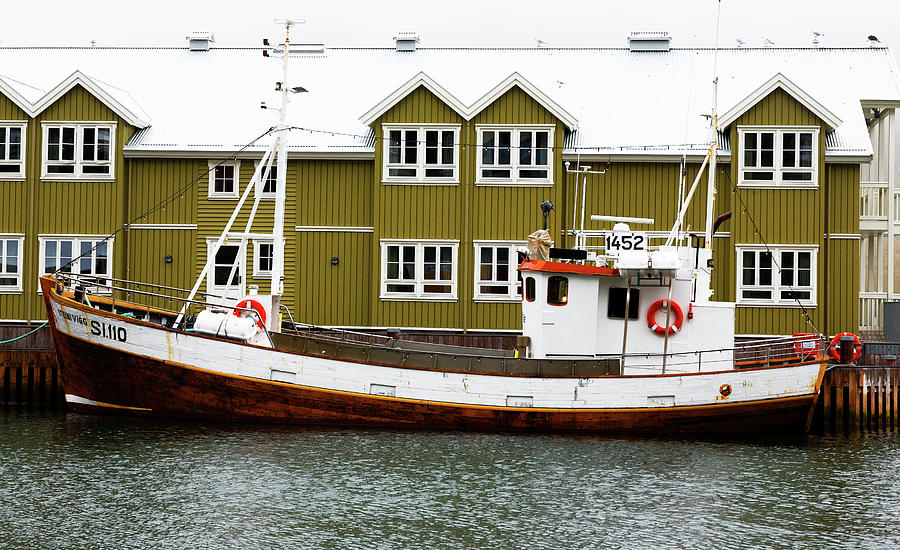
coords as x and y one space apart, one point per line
199 41
649 41
406 41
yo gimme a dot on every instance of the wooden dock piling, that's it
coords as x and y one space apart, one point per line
859 398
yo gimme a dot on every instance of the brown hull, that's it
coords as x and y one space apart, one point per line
139 385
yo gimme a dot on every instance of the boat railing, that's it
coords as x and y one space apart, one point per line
121 295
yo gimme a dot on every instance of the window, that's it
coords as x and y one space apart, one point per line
269 183
226 257
419 270
263 258
515 155
426 154
496 271
778 156
615 308
78 151
223 180
11 263
12 150
82 254
557 290
529 289
778 276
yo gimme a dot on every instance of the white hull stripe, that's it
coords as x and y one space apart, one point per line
84 401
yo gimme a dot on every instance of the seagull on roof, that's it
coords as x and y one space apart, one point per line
541 43
767 43
740 42
873 40
816 36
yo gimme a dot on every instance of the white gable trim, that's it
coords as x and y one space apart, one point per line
422 79
397 95
96 90
516 79
783 82
15 97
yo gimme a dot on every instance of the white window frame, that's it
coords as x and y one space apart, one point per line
227 290
420 165
514 165
78 162
264 195
257 271
776 286
20 239
514 289
778 169
76 251
4 158
211 183
419 281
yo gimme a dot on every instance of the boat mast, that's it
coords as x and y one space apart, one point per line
277 287
714 138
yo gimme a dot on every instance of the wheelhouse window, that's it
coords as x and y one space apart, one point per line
615 308
496 271
12 150
11 263
423 154
519 155
529 289
419 270
223 180
777 276
78 151
84 255
557 290
778 156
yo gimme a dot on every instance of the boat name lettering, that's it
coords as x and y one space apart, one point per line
99 328
72 317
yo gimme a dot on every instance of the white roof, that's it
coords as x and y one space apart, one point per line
619 101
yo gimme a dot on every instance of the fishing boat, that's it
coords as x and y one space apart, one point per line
620 339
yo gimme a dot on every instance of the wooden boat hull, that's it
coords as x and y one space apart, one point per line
198 377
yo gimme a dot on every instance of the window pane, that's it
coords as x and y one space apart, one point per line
446 254
226 254
525 148
431 142
529 289
766 159
750 140
65 255
806 141
541 155
806 159
430 254
504 153
789 140
749 268
767 140
401 288
50 256
765 269
787 268
750 158
12 256
447 151
557 290
394 148
788 158
411 147
804 259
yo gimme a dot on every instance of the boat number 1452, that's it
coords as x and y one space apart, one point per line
625 241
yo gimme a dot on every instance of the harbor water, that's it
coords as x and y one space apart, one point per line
71 481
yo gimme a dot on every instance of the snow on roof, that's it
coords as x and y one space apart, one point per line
620 101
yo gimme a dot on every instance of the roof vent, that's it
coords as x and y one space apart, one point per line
406 41
649 41
199 41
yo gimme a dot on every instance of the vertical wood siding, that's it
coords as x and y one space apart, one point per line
334 295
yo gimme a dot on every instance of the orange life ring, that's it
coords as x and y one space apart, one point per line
662 304
834 349
255 306
725 390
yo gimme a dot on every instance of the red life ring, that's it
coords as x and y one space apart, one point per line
663 304
834 349
255 306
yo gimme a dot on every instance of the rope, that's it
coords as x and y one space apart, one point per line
44 324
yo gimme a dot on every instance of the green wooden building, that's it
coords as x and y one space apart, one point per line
415 174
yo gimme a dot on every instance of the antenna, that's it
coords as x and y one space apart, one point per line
584 171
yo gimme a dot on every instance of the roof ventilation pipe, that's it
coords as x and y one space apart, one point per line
199 41
649 41
406 41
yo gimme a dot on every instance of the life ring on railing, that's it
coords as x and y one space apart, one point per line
662 304
834 349
255 306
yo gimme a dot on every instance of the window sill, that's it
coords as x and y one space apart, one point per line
747 185
776 306
513 184
10 290
12 177
222 197
447 183
81 179
394 298
505 300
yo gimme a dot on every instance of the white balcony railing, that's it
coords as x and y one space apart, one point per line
873 201
871 308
